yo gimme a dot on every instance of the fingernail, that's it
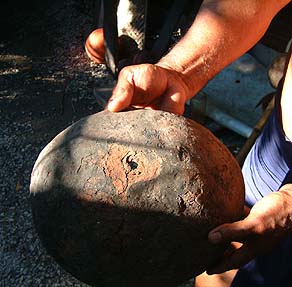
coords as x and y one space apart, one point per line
215 237
210 272
213 271
110 105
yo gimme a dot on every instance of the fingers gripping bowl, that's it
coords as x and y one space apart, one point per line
127 199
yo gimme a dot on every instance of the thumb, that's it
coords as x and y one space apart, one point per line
174 102
225 233
123 93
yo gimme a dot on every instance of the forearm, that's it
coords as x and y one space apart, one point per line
222 31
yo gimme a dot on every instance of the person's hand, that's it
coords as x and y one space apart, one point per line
151 87
269 222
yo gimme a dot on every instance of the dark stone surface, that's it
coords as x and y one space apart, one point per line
127 199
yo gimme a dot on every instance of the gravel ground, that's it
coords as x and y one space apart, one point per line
46 83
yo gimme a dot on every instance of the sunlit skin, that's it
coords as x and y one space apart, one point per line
286 101
222 32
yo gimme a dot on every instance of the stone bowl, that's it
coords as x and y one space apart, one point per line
128 198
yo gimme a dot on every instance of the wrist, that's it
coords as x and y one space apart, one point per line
192 83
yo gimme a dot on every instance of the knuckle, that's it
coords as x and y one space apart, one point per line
125 72
148 67
150 70
258 227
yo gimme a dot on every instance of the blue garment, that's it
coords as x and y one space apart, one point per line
266 169
267 166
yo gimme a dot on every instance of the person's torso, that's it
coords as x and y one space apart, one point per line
286 99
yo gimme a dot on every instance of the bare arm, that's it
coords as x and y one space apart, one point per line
222 31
